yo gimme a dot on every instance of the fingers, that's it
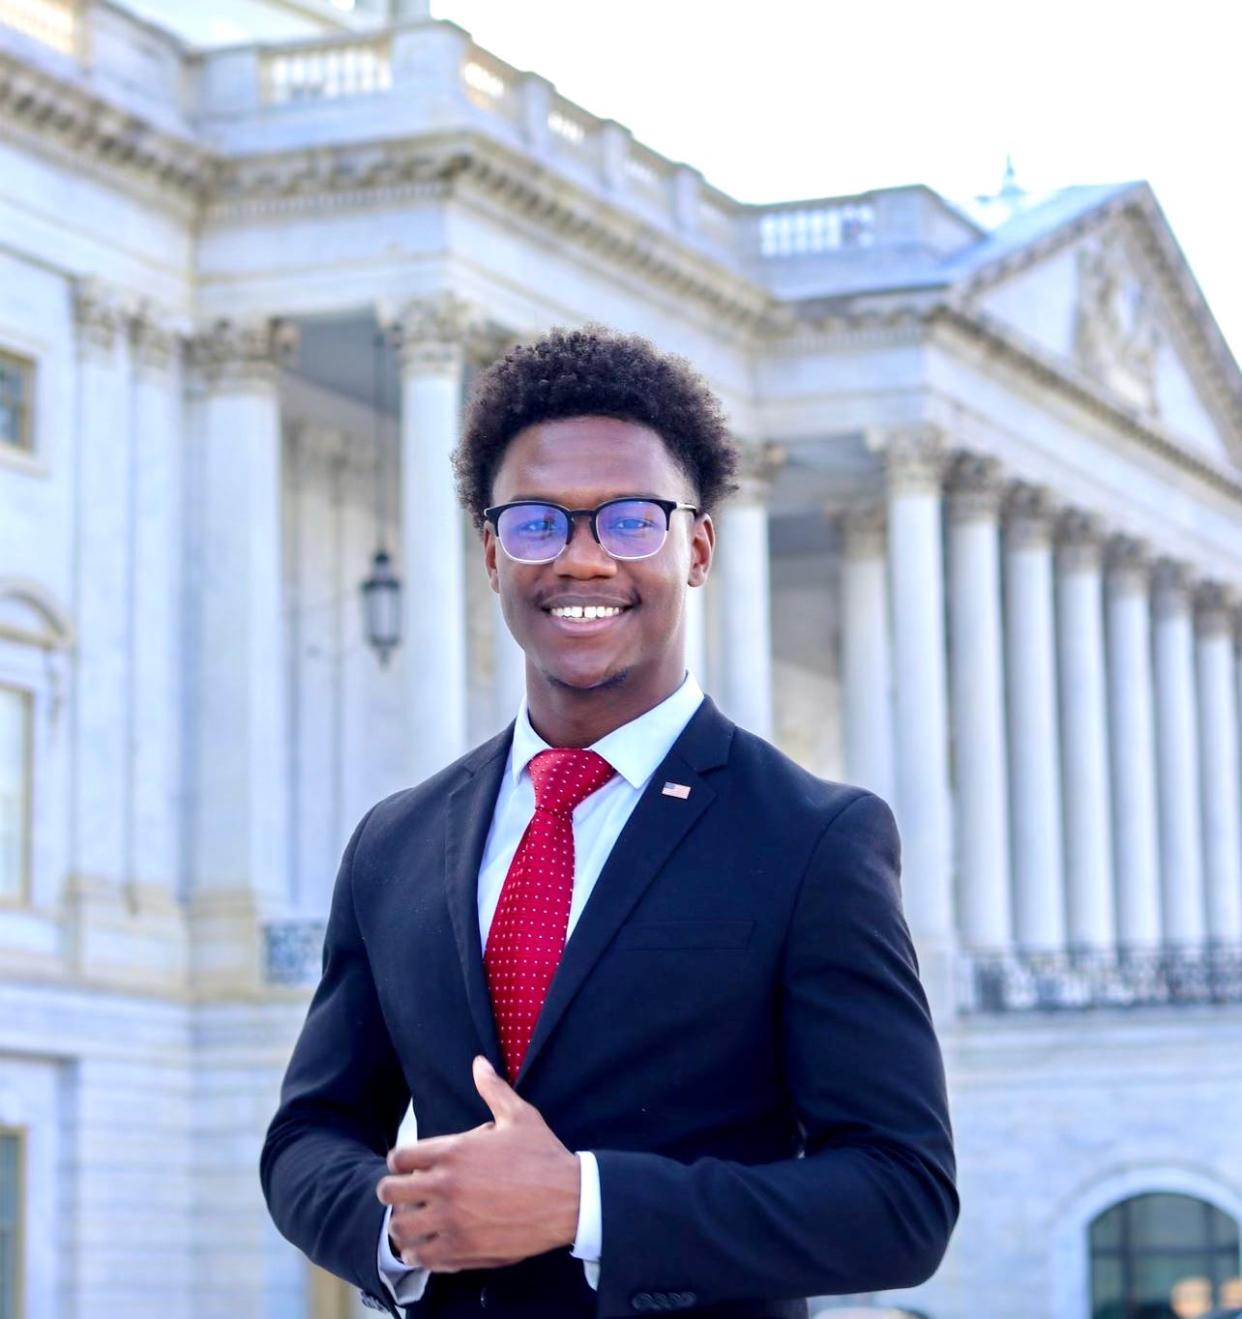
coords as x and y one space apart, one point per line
406 1189
422 1156
497 1093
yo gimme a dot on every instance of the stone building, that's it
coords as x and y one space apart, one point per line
984 561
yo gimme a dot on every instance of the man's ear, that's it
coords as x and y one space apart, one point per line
702 547
489 556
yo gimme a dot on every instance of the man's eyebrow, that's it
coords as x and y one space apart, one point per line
553 499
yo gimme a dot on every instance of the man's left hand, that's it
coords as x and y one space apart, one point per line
483 1198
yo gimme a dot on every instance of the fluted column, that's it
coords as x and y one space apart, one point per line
102 466
1136 845
746 625
1177 758
914 461
866 651
1090 915
431 336
696 631
978 704
1034 771
155 688
241 823
1218 759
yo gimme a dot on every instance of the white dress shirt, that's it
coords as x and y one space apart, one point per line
634 750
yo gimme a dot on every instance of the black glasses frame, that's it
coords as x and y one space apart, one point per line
669 506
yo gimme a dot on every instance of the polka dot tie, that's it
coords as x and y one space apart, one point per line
527 934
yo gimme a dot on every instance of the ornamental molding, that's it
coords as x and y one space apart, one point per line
243 353
1128 561
1116 334
1080 540
1172 583
864 530
98 314
154 339
1030 511
87 132
758 467
1215 606
975 487
914 456
433 335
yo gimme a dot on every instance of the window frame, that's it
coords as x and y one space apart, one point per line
24 444
19 1134
23 895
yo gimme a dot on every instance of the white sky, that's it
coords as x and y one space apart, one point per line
806 98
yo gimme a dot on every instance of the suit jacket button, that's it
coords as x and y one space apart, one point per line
485 1298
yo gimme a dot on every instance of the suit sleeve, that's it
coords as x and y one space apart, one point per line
872 1203
341 1104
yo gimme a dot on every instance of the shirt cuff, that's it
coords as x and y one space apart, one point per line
405 1284
588 1243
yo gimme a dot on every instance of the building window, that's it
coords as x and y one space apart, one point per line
12 1195
16 393
15 761
1162 1256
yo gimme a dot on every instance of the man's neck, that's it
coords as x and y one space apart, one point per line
571 717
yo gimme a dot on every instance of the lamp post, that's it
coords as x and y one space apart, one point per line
381 592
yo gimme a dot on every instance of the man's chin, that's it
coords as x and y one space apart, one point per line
586 683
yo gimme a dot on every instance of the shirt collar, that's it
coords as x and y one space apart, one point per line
634 750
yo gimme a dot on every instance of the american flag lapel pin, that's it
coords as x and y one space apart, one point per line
681 790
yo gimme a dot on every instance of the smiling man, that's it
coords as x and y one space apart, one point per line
645 981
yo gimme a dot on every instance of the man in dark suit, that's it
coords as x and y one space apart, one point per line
645 981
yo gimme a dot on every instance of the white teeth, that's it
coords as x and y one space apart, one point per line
585 611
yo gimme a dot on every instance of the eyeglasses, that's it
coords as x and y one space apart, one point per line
534 531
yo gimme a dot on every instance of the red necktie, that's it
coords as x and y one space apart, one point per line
528 931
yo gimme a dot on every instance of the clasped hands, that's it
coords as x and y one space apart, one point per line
483 1198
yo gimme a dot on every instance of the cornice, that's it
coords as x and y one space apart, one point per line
88 132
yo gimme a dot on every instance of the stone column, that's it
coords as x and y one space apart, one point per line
914 462
1084 747
431 336
102 466
1034 772
866 658
696 632
1136 845
746 624
977 685
1218 760
1177 758
241 772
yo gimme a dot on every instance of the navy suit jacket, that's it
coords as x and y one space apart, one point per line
736 1028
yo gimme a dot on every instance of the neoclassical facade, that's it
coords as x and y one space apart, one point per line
985 559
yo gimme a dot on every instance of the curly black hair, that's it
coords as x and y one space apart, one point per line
594 372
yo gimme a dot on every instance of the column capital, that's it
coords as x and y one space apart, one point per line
1080 539
97 315
433 334
1172 585
758 465
245 353
974 485
153 340
864 530
1030 513
1215 608
1128 561
914 456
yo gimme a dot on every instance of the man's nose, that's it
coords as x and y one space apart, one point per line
583 555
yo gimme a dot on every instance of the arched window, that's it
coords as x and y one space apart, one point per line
1163 1256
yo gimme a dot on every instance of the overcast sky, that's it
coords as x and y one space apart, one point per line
808 98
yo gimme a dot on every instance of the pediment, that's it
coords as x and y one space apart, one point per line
1113 300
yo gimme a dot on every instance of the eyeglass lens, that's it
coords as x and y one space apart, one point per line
628 529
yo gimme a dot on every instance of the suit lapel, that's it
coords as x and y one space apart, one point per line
469 817
654 829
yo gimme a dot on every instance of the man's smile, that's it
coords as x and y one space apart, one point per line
583 615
